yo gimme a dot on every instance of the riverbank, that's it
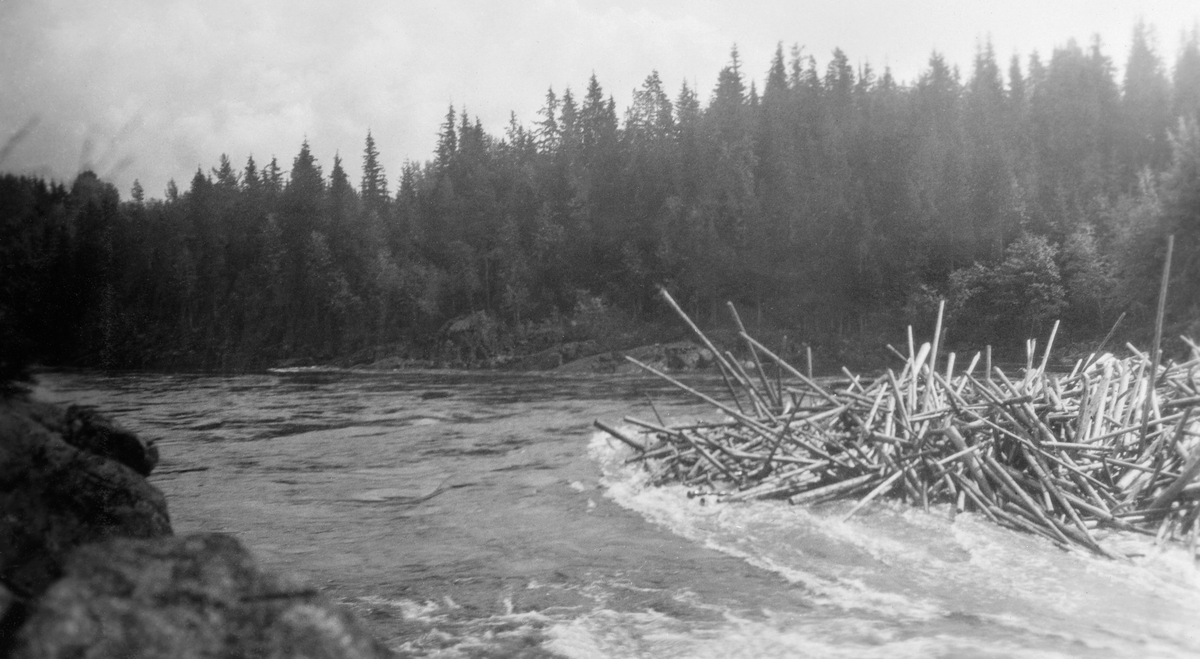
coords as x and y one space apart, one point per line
597 339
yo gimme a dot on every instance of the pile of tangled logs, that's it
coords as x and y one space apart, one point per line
1115 443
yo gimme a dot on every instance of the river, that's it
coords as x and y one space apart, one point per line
480 515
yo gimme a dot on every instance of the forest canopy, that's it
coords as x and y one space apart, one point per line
831 200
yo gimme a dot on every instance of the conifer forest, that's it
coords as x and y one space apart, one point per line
824 198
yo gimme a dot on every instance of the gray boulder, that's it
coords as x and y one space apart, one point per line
184 597
55 497
88 430
687 356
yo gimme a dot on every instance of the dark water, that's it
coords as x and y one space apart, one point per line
479 515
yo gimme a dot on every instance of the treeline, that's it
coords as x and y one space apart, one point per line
836 202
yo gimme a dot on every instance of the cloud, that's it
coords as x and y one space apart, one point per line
158 88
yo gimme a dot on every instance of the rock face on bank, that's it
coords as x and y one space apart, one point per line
197 596
675 356
89 566
56 493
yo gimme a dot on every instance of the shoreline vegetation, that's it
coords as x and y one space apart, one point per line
832 203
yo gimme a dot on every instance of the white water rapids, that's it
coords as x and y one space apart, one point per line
478 515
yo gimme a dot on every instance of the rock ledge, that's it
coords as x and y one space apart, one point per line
90 568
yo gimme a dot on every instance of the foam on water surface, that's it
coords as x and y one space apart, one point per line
541 542
898 581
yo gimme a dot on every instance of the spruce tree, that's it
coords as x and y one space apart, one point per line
374 186
224 174
273 177
1185 100
548 132
1145 109
341 199
447 144
250 178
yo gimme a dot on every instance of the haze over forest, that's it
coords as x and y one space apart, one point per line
828 199
152 89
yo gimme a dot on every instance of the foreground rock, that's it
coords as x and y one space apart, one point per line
55 496
196 596
89 566
88 430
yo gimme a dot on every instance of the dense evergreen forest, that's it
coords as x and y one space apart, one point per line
834 202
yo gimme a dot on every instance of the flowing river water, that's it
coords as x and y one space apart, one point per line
480 515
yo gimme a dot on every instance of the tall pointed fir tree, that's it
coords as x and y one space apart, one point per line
447 145
1145 110
1185 99
250 177
374 186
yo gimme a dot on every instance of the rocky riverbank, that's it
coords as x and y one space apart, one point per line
90 567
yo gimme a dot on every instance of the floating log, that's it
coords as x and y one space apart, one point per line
1058 456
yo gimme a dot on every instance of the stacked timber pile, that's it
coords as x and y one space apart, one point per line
1115 443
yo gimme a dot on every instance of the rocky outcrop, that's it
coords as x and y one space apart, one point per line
554 357
687 356
196 596
675 356
88 430
89 566
55 496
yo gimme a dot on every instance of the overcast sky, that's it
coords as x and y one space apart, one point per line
151 89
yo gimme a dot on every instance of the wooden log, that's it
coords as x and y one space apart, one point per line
888 482
775 483
619 435
1100 514
1082 480
737 414
1163 453
709 457
1079 447
833 489
987 365
1010 486
788 367
933 355
1191 401
1040 471
914 375
726 369
1190 470
779 440
658 428
900 407
1156 351
656 453
775 396
971 489
762 407
1097 426
1069 436
775 489
655 410
874 408
1103 343
1011 513
1049 345
972 462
